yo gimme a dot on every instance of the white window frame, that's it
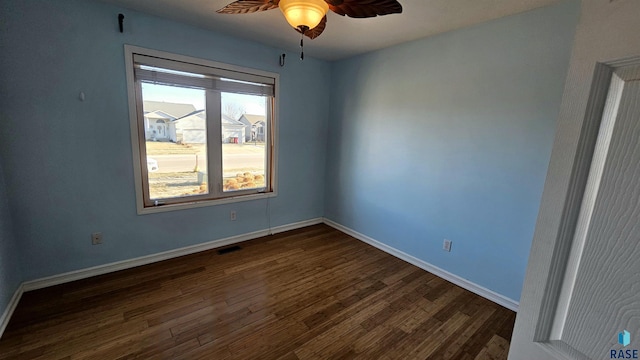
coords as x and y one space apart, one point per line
215 194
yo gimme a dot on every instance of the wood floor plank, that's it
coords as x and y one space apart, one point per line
496 348
310 293
453 349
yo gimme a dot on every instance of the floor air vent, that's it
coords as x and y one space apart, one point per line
229 249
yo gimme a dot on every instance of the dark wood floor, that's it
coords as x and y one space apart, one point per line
312 293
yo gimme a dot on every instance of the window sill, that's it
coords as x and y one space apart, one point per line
204 203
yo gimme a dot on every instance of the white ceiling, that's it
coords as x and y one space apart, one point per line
343 36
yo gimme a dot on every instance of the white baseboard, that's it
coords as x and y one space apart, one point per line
144 260
462 282
11 307
298 225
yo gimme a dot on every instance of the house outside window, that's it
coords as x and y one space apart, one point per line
207 128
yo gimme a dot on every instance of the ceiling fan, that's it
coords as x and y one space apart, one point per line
309 17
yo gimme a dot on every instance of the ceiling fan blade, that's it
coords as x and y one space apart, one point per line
316 31
364 8
248 6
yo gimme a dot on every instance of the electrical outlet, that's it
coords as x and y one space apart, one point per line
446 245
96 238
233 215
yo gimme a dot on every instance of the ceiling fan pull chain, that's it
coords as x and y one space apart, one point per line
302 29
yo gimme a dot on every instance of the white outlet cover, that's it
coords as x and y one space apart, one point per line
446 245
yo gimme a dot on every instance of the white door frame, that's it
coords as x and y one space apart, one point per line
606 39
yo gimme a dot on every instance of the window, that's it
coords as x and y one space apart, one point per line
202 132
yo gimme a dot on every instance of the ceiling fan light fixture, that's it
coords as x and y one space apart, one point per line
304 13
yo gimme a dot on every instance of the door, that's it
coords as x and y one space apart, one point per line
581 297
161 128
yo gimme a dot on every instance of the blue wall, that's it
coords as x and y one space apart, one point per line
10 264
450 137
445 137
68 164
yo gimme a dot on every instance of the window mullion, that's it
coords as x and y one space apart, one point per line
214 142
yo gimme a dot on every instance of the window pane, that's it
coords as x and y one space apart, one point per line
244 129
176 140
